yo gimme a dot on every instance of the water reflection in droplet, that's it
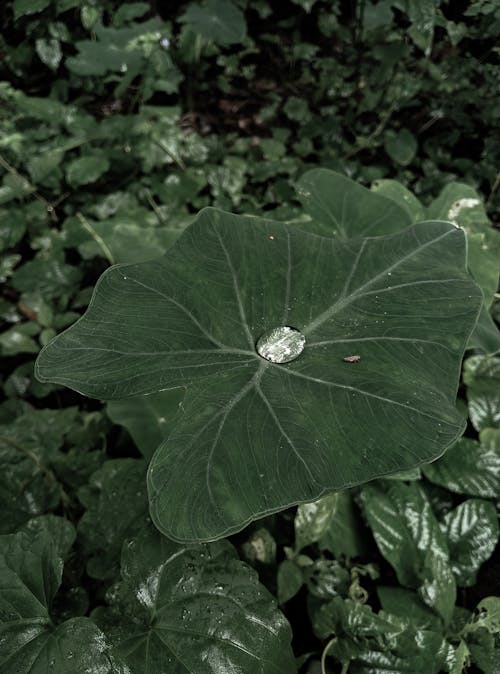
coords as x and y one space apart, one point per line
281 345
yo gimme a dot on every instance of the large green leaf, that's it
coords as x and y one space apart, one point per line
147 418
340 207
31 564
409 537
193 609
255 436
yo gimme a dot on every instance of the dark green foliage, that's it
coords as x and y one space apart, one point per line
119 121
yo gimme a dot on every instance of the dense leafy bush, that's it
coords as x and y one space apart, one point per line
120 122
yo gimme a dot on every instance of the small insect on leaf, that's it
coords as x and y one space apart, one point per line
352 359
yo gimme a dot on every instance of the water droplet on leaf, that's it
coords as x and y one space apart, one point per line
281 345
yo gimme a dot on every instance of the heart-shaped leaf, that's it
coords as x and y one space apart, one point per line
263 428
193 609
31 564
340 207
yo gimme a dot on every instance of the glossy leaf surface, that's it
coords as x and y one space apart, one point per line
472 534
409 537
31 564
469 467
193 609
279 434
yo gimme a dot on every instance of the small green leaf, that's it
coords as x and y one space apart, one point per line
49 51
326 578
85 170
472 534
401 146
313 519
196 609
18 339
289 579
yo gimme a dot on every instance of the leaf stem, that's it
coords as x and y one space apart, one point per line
97 238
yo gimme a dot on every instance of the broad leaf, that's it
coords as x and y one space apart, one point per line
472 534
256 435
148 418
395 191
193 609
218 20
31 564
469 467
409 537
340 207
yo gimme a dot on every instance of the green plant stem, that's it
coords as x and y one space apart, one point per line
325 653
97 238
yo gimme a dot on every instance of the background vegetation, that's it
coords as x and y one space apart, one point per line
119 121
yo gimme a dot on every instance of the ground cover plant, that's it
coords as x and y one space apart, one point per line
241 447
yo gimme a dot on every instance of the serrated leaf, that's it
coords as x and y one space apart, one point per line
409 537
277 432
472 533
340 207
31 564
469 467
195 608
